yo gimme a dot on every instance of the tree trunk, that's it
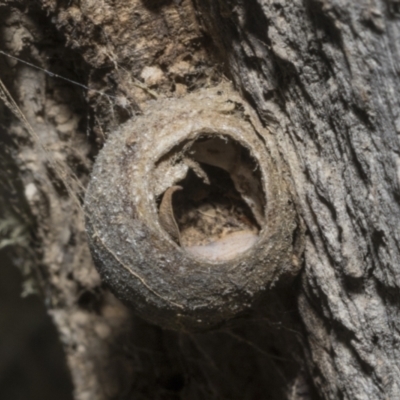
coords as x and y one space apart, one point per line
323 78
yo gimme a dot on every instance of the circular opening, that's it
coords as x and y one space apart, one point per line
214 204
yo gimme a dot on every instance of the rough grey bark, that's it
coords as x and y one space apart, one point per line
323 76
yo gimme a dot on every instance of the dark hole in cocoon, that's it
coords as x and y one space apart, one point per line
217 210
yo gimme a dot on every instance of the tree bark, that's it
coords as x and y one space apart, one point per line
323 78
